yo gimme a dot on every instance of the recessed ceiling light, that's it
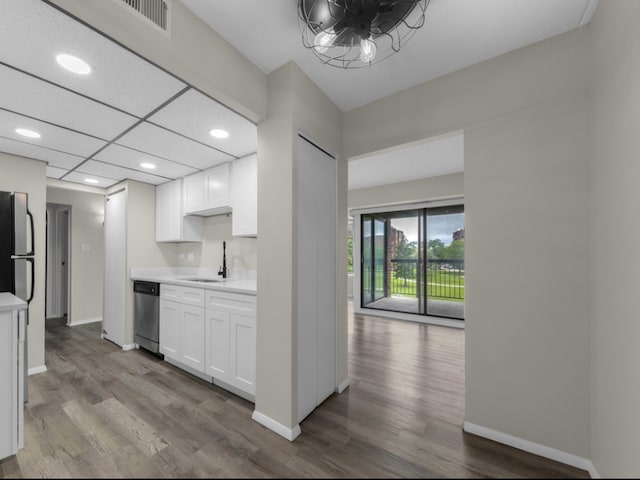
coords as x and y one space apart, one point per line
219 133
25 132
73 64
148 166
91 180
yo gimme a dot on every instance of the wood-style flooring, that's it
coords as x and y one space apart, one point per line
101 412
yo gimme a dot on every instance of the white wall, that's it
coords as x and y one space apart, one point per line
295 104
87 267
615 258
29 176
524 116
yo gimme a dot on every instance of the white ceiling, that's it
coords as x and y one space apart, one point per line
456 34
431 158
103 125
128 110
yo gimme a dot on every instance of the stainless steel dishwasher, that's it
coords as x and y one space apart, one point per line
146 315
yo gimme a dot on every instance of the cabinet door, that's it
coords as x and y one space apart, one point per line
9 393
171 224
192 337
193 194
244 196
217 344
216 186
243 352
170 313
168 211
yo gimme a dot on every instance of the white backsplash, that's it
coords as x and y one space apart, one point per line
242 253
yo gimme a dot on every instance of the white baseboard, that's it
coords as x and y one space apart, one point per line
40 369
125 347
343 386
531 447
593 473
289 433
75 323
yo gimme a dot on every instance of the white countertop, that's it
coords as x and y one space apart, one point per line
242 283
8 301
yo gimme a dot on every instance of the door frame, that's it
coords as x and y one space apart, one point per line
357 213
58 248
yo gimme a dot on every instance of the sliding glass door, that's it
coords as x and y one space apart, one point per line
374 285
413 261
444 231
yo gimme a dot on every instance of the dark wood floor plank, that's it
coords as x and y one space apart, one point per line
101 412
132 426
98 432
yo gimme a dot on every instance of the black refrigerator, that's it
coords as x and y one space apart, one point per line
17 269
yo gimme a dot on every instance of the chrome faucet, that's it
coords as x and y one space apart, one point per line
223 269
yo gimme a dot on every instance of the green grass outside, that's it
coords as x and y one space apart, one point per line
448 285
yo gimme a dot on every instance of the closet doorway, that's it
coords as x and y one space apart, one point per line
57 261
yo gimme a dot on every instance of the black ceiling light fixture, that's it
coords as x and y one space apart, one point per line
358 33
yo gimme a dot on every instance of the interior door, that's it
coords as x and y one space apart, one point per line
115 267
63 260
316 273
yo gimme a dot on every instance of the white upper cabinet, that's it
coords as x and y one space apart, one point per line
207 193
244 196
171 223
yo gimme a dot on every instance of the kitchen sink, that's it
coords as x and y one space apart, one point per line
206 280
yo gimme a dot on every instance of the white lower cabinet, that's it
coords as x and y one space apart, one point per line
243 352
217 339
170 328
192 337
12 335
231 339
182 325
211 332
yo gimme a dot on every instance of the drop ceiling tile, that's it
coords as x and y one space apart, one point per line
32 33
127 157
162 143
108 170
52 157
195 115
52 137
78 177
53 172
29 96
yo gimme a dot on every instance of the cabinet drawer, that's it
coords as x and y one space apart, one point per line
231 301
188 295
193 296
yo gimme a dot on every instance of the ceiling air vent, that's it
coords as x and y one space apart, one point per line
156 11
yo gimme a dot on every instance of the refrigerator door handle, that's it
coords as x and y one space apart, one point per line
33 281
30 215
